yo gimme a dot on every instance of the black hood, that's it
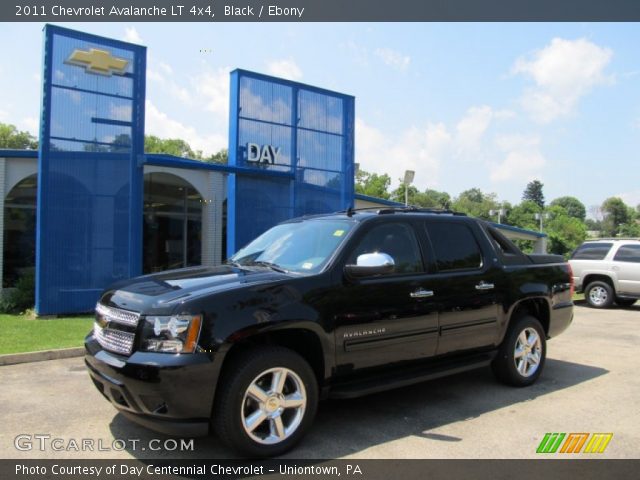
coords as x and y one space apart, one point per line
160 293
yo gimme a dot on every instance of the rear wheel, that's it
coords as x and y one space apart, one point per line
599 294
266 402
625 302
521 356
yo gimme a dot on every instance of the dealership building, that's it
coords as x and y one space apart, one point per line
90 207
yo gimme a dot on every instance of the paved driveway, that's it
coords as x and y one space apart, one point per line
590 384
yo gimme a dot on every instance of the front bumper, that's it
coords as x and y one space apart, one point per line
169 393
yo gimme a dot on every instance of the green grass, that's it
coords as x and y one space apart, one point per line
22 333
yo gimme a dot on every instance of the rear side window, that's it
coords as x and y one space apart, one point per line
455 247
592 251
628 253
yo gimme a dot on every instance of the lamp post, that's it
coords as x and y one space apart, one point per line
500 212
408 179
541 217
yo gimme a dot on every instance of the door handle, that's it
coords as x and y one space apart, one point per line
421 293
484 286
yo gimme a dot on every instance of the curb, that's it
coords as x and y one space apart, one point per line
15 358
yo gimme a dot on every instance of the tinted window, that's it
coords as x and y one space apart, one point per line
455 246
628 253
592 251
396 240
303 247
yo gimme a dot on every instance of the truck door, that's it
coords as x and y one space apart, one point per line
387 318
626 263
467 282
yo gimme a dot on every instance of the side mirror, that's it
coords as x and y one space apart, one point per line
370 264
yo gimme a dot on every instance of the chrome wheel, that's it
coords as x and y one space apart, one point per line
598 295
528 352
273 406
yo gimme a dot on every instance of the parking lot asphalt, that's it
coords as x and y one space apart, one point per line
590 384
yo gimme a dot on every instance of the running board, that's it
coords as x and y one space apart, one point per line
404 377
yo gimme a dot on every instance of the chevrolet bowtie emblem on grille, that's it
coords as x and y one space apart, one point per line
97 61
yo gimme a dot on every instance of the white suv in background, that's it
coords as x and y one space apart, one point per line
607 270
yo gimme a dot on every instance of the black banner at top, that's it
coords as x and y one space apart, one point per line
317 10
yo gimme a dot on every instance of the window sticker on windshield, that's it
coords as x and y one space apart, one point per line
338 233
307 265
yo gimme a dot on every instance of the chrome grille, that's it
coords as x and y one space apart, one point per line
116 341
117 315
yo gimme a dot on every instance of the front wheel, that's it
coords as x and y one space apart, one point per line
599 294
266 402
521 356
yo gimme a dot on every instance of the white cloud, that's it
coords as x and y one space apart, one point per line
471 128
563 72
161 73
3 115
285 68
393 58
213 87
522 158
630 198
418 149
131 35
158 123
166 68
30 124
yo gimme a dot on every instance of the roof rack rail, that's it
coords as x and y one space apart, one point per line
401 209
414 209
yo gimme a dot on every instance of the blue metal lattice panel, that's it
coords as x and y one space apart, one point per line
90 184
287 127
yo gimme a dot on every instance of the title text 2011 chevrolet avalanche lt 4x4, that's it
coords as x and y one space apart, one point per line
336 305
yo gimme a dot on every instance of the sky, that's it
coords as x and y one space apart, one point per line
488 105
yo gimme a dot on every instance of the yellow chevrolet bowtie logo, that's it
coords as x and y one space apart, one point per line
98 61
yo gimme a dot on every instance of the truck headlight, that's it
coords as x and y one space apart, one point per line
174 334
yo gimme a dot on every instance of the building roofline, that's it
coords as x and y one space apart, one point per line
511 228
382 201
16 153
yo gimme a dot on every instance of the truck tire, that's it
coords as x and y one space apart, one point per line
266 402
522 354
599 294
625 302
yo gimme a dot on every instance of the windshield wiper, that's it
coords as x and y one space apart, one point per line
272 266
233 264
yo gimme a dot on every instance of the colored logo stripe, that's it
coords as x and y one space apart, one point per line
574 442
598 442
550 443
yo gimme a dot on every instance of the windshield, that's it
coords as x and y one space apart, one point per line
303 247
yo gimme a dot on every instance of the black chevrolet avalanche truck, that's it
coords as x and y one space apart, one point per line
338 305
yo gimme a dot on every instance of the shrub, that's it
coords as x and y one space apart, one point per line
21 297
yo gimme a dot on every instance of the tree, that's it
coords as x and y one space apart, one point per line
11 137
564 231
222 157
475 203
615 213
574 207
534 193
373 184
169 146
523 215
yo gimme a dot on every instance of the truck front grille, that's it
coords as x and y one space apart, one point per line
115 329
116 341
110 314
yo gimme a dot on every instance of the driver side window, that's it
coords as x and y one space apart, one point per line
396 240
